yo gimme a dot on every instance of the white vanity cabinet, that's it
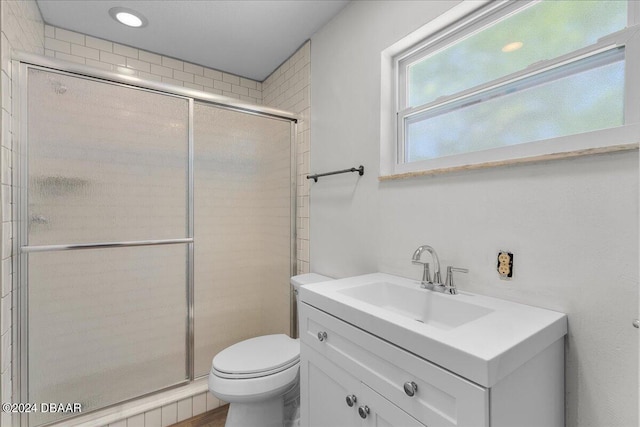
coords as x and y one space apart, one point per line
339 360
329 387
415 357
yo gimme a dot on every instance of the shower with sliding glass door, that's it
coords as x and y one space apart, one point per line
155 227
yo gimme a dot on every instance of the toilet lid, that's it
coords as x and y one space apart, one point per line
256 356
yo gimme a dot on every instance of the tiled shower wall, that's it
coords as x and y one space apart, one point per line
21 28
287 88
76 47
171 413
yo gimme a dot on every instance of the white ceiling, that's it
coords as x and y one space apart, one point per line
248 38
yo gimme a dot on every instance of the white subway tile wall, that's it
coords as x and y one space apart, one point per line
153 418
135 421
171 413
185 409
199 404
288 88
212 402
106 55
21 28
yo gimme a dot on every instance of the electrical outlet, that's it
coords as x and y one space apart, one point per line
505 265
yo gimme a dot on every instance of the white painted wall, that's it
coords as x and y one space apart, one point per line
572 224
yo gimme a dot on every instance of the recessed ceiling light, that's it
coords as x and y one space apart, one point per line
128 17
510 47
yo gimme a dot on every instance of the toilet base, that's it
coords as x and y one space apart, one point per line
280 411
268 413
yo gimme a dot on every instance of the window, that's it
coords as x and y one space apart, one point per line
518 80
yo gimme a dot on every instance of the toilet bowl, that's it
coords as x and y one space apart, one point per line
259 377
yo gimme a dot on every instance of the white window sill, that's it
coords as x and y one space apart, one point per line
525 160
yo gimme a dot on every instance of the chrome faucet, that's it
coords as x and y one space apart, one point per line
426 277
436 284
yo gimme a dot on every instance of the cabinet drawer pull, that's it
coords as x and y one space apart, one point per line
410 388
351 400
322 336
363 411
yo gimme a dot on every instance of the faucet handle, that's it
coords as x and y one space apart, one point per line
448 283
426 274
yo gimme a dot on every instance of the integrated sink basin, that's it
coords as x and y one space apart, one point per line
480 338
442 311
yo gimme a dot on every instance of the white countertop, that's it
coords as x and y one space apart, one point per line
483 350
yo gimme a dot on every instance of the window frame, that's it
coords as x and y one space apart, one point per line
618 138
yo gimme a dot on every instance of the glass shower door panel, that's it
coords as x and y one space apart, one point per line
106 162
242 229
105 325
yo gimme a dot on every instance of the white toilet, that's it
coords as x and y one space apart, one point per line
259 377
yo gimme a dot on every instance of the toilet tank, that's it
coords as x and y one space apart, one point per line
296 282
307 279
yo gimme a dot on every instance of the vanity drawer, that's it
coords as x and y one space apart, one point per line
441 399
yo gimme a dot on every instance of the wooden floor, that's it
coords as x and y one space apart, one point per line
214 418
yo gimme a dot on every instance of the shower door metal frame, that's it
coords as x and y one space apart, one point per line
23 249
21 63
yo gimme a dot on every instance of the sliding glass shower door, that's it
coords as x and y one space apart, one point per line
243 230
153 232
107 176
